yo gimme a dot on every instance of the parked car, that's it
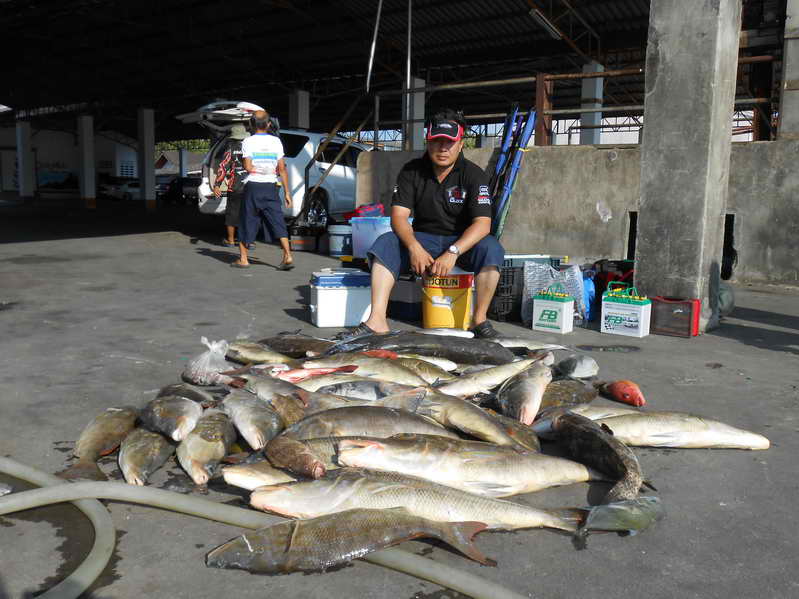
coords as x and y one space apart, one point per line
335 196
182 190
162 183
119 188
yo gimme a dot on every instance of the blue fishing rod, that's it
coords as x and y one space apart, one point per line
502 159
503 205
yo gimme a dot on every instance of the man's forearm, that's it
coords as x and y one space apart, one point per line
479 228
284 177
404 231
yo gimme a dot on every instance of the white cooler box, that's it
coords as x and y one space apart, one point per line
340 297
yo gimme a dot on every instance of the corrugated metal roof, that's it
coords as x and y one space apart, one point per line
180 54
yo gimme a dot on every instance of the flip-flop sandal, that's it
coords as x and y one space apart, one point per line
284 266
239 265
227 244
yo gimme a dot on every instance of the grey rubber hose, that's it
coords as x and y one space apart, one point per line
394 558
84 575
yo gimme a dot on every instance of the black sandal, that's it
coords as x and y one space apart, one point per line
484 330
360 331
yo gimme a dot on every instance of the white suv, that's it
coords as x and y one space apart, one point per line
334 197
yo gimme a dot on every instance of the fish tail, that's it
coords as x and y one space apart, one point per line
460 535
83 470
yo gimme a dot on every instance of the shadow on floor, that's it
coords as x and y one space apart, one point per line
764 317
759 337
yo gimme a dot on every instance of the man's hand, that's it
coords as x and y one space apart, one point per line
443 265
217 191
288 199
420 259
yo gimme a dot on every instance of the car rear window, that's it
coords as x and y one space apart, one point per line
293 144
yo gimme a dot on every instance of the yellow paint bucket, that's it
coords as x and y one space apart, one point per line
447 301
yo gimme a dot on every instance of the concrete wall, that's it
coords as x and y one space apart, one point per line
564 195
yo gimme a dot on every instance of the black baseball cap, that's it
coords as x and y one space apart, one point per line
446 128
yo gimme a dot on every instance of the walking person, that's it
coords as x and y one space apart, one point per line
231 173
263 160
450 202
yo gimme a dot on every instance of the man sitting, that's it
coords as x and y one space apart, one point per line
450 202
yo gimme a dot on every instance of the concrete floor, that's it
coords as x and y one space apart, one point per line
97 312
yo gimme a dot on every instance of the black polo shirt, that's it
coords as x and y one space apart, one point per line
446 208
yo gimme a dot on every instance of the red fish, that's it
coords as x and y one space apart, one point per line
300 374
623 391
381 353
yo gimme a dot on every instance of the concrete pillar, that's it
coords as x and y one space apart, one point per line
26 167
486 141
543 103
413 110
789 96
685 156
146 157
183 162
87 173
592 97
300 109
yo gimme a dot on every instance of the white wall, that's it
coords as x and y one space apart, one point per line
57 156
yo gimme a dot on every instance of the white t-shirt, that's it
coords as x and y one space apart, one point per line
264 150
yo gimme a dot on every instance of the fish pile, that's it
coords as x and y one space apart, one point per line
373 440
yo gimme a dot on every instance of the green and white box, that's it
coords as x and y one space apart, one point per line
625 313
553 312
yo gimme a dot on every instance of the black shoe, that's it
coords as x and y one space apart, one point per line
484 330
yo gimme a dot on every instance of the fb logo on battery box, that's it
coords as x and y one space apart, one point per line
548 315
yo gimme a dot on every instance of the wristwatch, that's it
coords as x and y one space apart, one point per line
453 249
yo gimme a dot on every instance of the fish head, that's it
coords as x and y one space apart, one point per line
244 553
627 392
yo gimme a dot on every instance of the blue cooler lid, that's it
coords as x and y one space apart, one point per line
341 277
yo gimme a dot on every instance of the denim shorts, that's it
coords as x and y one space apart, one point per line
391 253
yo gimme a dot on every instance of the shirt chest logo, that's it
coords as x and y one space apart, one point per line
456 195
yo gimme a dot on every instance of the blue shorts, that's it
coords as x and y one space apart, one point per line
261 204
391 253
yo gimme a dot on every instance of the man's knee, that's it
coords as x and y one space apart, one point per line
385 241
490 251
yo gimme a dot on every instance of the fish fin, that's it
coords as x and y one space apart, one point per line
571 515
480 455
350 443
236 458
488 489
580 539
648 485
237 382
83 470
460 535
410 400
606 428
